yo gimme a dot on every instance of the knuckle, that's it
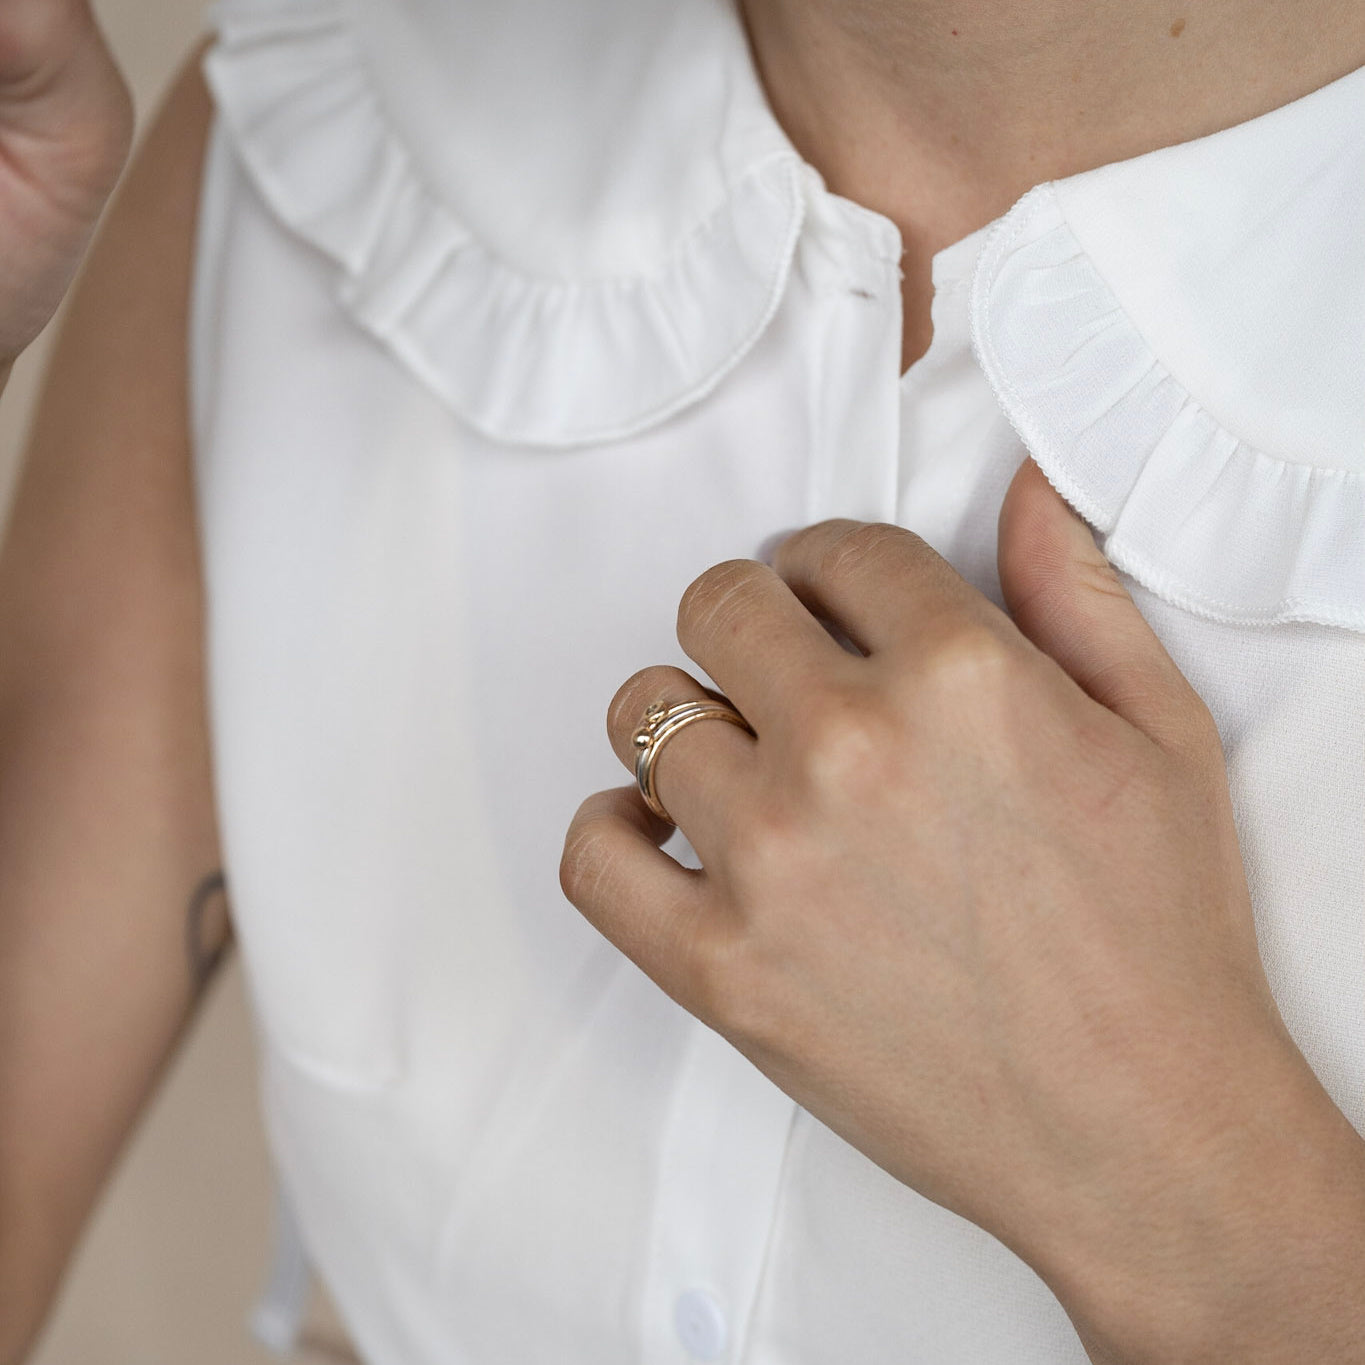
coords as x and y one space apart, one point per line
628 705
968 660
586 862
580 862
857 546
800 545
847 740
715 601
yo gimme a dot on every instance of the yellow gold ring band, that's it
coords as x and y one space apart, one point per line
661 722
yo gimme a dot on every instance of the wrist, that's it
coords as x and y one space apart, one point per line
1247 1244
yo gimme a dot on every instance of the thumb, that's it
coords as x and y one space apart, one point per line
1066 597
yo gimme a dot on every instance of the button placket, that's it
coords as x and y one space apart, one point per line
718 1179
854 397
700 1323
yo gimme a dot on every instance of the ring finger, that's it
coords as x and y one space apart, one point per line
701 772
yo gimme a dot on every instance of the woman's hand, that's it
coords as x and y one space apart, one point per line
65 124
974 897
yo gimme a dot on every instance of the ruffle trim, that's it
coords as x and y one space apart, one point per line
525 360
1203 519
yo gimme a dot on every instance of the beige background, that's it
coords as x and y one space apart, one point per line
176 1253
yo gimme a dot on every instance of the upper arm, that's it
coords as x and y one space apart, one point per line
106 811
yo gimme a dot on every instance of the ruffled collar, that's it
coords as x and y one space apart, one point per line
1142 325
1180 341
641 249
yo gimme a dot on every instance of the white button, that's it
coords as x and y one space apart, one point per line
700 1323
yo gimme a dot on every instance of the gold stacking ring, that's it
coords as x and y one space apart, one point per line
660 724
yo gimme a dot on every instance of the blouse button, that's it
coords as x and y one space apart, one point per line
699 1321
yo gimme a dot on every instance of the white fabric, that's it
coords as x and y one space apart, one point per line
277 1317
509 320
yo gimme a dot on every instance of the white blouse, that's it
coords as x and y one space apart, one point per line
509 320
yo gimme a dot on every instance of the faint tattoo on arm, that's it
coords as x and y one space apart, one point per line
208 929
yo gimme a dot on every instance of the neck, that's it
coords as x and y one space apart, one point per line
940 114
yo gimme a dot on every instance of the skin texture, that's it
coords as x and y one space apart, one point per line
973 896
106 816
